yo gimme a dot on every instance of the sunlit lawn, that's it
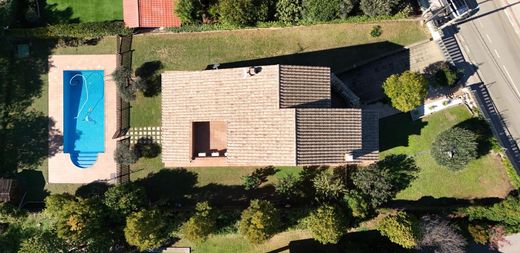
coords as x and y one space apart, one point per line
484 177
85 10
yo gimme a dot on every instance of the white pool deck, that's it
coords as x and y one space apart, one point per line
61 168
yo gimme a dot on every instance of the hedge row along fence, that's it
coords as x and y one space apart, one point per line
81 30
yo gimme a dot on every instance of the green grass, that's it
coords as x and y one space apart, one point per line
84 10
484 177
339 46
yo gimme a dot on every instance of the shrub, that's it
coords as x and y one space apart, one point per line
407 90
259 221
148 149
374 184
479 233
321 10
506 212
146 229
258 177
437 235
124 155
81 30
125 86
400 229
287 187
329 187
376 31
244 12
125 199
441 74
378 7
357 205
454 148
346 7
289 11
327 224
45 242
200 225
189 11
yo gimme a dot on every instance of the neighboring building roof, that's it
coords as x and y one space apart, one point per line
269 121
150 13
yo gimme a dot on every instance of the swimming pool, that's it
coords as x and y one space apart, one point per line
83 115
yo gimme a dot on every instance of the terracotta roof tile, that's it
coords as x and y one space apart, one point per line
150 13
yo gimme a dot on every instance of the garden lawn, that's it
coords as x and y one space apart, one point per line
484 177
339 46
85 10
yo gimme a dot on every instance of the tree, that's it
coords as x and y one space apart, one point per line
7 13
454 148
244 12
400 229
125 199
146 229
125 86
147 149
200 225
189 11
506 212
346 7
329 187
259 221
378 7
327 224
289 11
54 205
124 155
407 90
83 223
321 10
438 236
45 242
374 184
287 187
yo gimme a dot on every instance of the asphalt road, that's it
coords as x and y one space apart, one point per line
489 39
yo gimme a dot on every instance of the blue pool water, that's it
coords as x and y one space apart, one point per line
83 115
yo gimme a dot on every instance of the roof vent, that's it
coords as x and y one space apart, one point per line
252 71
349 157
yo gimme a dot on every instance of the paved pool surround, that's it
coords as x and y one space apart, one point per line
62 169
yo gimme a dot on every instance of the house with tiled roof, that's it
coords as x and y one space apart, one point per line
255 116
150 13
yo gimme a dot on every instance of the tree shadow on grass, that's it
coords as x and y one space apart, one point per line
429 203
150 76
402 168
484 135
92 190
34 185
395 131
168 185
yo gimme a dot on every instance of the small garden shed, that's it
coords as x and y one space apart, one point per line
10 191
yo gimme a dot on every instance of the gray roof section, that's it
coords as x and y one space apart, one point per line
324 136
304 87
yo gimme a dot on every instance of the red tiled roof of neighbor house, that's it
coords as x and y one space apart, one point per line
281 115
150 13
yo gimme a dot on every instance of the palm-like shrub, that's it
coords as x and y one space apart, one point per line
400 228
327 224
329 187
454 148
125 86
200 225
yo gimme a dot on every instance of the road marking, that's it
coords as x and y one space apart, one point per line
489 38
496 52
511 79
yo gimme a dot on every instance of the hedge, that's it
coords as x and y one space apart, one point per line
81 30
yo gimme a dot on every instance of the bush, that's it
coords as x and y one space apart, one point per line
81 30
125 86
479 233
327 224
200 225
378 7
287 187
506 212
45 242
400 229
244 12
125 199
329 187
258 177
146 230
376 31
289 11
189 11
441 74
357 205
147 150
259 221
124 155
374 184
321 10
407 90
346 7
454 148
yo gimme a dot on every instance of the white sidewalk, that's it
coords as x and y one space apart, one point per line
512 13
514 246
